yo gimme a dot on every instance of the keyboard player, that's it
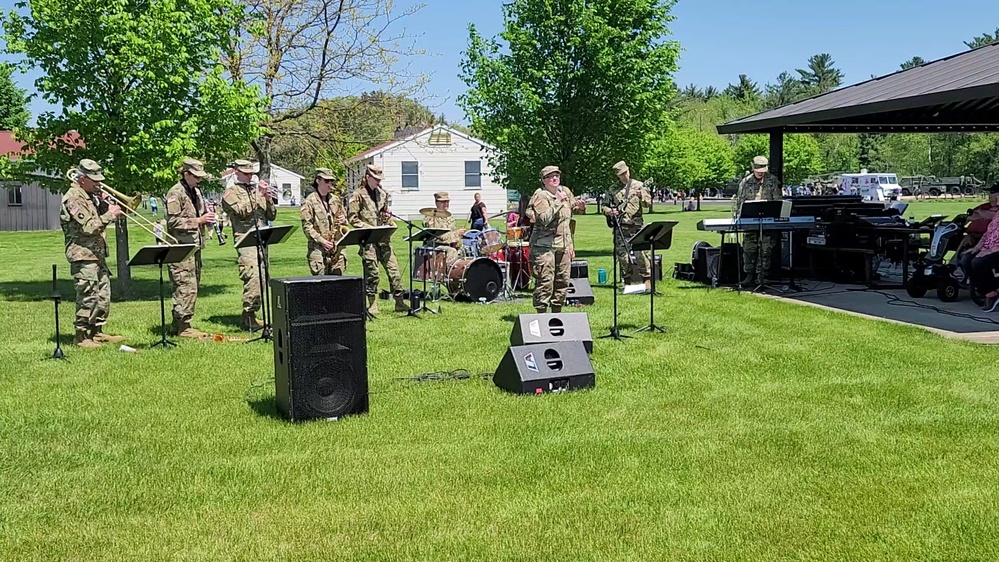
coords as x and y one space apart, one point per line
760 185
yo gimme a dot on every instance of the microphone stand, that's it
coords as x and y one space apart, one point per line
413 309
615 332
56 297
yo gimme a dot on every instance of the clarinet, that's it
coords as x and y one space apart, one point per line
219 231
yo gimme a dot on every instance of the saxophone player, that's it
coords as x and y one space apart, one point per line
323 221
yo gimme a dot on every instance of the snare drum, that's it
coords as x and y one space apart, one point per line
519 258
470 244
429 263
475 279
515 233
490 240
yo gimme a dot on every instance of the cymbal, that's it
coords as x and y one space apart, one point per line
434 212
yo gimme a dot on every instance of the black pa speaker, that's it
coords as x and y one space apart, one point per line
545 367
320 347
580 292
579 269
554 327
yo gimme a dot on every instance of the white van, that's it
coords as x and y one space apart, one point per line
872 187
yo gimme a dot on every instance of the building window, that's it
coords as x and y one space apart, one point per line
473 173
14 196
411 175
440 138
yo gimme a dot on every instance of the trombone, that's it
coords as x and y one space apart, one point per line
128 206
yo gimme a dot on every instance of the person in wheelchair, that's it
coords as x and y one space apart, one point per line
978 222
981 262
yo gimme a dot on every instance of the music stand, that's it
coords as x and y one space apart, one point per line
653 236
363 236
423 235
761 210
615 332
261 237
159 255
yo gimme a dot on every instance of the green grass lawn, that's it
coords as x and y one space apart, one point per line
752 430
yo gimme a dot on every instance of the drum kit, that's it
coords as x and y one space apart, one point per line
488 266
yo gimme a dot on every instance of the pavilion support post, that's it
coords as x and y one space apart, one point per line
777 155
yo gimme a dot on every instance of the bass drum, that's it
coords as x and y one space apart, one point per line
475 279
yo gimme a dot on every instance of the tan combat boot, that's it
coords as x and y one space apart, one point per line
250 322
372 304
400 304
82 339
185 330
99 336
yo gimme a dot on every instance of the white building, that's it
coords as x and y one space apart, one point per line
289 185
438 158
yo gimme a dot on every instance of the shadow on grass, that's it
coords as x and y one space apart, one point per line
231 320
142 290
265 407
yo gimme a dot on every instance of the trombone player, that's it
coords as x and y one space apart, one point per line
323 222
85 214
248 203
187 217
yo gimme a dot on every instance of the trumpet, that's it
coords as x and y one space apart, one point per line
128 206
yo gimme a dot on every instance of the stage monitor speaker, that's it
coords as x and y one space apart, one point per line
707 264
552 327
320 347
580 292
579 269
545 367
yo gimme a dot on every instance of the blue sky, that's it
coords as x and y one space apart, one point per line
724 38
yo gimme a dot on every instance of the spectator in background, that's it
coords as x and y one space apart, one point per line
152 205
478 213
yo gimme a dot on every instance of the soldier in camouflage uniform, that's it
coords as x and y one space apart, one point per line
247 206
186 220
757 186
322 216
450 242
550 211
369 205
84 216
627 205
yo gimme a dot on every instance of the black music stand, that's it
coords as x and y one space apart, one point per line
364 236
56 298
423 235
653 236
262 237
615 332
762 209
159 255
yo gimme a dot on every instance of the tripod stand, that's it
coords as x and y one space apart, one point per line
158 256
262 238
615 332
56 297
423 235
653 236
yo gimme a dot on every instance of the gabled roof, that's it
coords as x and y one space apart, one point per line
14 149
956 93
389 145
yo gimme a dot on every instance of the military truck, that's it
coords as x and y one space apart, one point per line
936 186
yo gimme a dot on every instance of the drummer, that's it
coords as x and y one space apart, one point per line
442 218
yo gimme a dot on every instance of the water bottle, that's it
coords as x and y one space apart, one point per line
602 276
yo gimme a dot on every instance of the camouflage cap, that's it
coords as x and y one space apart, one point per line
620 168
760 164
91 169
375 171
442 196
325 173
195 168
549 170
244 166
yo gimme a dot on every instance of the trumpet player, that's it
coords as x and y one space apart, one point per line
187 218
369 205
85 215
323 221
248 204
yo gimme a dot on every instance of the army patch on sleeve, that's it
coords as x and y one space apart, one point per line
171 199
74 209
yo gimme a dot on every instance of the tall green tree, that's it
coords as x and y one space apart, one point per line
787 89
575 83
13 101
912 63
983 40
744 90
138 81
690 160
821 75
